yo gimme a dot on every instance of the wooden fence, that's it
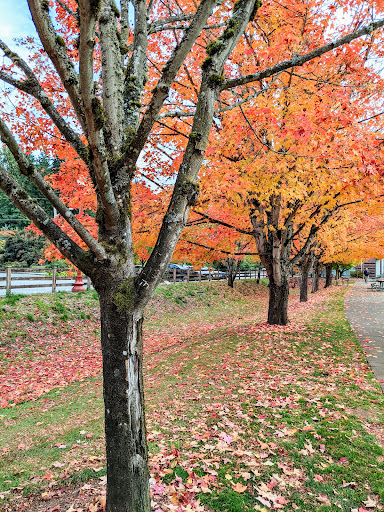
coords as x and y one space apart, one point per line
12 278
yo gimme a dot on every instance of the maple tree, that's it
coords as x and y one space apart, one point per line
290 159
353 236
99 92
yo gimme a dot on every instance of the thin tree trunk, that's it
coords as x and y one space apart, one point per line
230 263
278 302
258 275
316 276
328 275
232 270
125 433
304 271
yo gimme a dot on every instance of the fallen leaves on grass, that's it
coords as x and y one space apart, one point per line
227 417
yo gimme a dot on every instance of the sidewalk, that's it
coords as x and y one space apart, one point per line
364 310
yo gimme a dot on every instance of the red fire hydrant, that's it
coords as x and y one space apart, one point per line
78 285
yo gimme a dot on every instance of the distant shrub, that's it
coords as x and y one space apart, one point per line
23 247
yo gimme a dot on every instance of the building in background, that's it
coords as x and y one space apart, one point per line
375 267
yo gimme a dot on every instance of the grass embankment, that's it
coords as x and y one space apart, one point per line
240 416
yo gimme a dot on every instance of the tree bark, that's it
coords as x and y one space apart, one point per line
316 275
328 275
125 432
278 302
305 265
232 270
304 271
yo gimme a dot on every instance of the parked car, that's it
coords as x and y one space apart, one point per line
181 272
211 273
177 267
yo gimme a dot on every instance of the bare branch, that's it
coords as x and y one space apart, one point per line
371 117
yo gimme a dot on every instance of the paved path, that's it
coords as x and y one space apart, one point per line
364 310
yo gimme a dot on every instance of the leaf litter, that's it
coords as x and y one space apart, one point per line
245 414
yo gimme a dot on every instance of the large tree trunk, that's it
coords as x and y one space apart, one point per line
328 275
125 433
304 271
278 301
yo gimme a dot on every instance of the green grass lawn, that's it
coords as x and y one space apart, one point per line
241 417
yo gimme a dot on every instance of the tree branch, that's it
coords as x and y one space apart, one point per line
214 249
32 86
185 191
170 71
237 104
94 112
112 77
222 223
136 75
155 25
68 10
40 218
302 59
56 50
37 179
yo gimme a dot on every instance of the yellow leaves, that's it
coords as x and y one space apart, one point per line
239 487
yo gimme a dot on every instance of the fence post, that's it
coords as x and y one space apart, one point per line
54 277
200 275
8 278
188 275
174 276
209 274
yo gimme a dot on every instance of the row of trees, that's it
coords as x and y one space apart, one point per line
129 100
